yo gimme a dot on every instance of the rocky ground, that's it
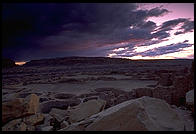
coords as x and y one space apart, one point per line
85 94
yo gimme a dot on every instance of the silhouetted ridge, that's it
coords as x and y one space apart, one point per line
76 61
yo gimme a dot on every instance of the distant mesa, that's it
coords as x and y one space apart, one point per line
7 63
76 60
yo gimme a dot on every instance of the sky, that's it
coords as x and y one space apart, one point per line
117 30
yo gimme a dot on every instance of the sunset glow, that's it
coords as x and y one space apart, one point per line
20 63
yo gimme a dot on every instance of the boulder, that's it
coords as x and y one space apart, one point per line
190 100
32 102
45 107
20 107
190 97
114 96
58 114
142 114
47 120
15 125
86 109
34 119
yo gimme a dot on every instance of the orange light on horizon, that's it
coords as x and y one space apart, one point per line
20 63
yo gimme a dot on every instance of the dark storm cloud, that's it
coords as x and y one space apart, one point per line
157 12
41 30
187 25
166 49
172 23
163 50
160 34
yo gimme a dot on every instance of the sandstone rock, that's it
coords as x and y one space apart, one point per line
58 114
121 98
165 93
190 100
47 120
86 109
186 117
34 119
45 107
190 97
114 96
142 114
15 125
20 107
78 126
32 102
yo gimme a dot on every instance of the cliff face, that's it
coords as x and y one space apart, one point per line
7 63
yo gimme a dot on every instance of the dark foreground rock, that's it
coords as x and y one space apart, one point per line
190 100
86 109
20 107
142 114
45 107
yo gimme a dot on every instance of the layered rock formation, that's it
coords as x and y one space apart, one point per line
170 87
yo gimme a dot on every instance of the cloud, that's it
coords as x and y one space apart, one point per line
83 29
164 50
188 26
160 34
107 25
172 23
155 12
